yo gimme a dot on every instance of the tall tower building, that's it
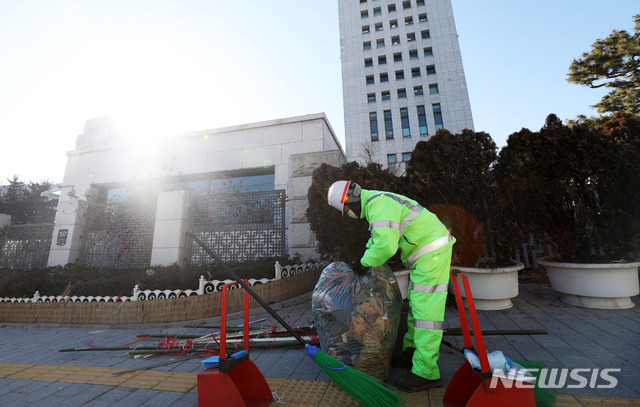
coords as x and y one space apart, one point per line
402 77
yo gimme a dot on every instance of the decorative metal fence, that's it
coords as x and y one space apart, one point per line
118 235
239 227
25 246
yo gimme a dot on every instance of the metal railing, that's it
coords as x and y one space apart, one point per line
118 235
25 246
239 227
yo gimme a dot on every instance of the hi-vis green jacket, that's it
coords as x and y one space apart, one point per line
397 222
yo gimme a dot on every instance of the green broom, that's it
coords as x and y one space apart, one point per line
367 390
544 397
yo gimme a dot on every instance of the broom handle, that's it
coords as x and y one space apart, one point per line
249 290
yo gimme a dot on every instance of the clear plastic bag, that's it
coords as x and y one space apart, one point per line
358 316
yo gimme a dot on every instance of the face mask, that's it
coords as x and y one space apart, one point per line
352 214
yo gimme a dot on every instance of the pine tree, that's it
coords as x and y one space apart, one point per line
614 62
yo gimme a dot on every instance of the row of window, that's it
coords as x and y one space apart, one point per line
399 74
402 93
366 29
397 57
391 8
395 40
392 160
404 122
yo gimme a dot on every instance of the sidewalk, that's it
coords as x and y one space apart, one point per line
34 373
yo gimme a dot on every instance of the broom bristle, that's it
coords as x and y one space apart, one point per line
367 390
544 397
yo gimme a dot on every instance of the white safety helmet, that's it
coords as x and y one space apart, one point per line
342 192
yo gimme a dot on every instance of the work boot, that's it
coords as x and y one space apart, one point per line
405 359
412 383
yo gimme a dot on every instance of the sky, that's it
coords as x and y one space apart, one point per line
168 67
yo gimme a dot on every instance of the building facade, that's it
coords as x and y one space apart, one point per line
278 155
402 77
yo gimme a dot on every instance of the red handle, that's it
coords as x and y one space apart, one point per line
223 319
473 315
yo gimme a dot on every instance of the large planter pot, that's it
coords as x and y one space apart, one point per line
605 286
492 288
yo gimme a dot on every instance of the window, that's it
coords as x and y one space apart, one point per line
425 34
408 21
406 157
428 52
422 18
380 43
386 95
382 60
393 23
422 121
437 115
373 125
413 54
379 27
406 4
388 124
404 119
395 40
397 57
402 93
420 3
370 80
392 162
417 91
433 89
384 77
363 1
377 11
411 37
365 29
415 72
366 45
431 70
399 75
371 97
364 14
391 8
368 62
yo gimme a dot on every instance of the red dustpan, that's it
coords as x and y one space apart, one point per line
472 388
237 382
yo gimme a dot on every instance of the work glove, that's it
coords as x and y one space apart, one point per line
358 268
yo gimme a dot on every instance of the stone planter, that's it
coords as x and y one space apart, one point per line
492 288
605 286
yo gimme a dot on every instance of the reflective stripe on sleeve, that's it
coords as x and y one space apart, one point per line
428 248
385 224
439 325
429 289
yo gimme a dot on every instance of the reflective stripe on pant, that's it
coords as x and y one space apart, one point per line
427 299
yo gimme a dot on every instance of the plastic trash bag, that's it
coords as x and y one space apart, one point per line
357 317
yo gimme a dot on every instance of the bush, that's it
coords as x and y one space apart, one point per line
451 174
580 185
104 281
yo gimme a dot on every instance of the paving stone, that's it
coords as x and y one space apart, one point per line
578 337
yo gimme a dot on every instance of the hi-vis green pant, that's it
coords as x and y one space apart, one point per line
427 299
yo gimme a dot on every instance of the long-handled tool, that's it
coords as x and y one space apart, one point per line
367 390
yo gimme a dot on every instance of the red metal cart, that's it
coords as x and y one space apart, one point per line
237 382
472 388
